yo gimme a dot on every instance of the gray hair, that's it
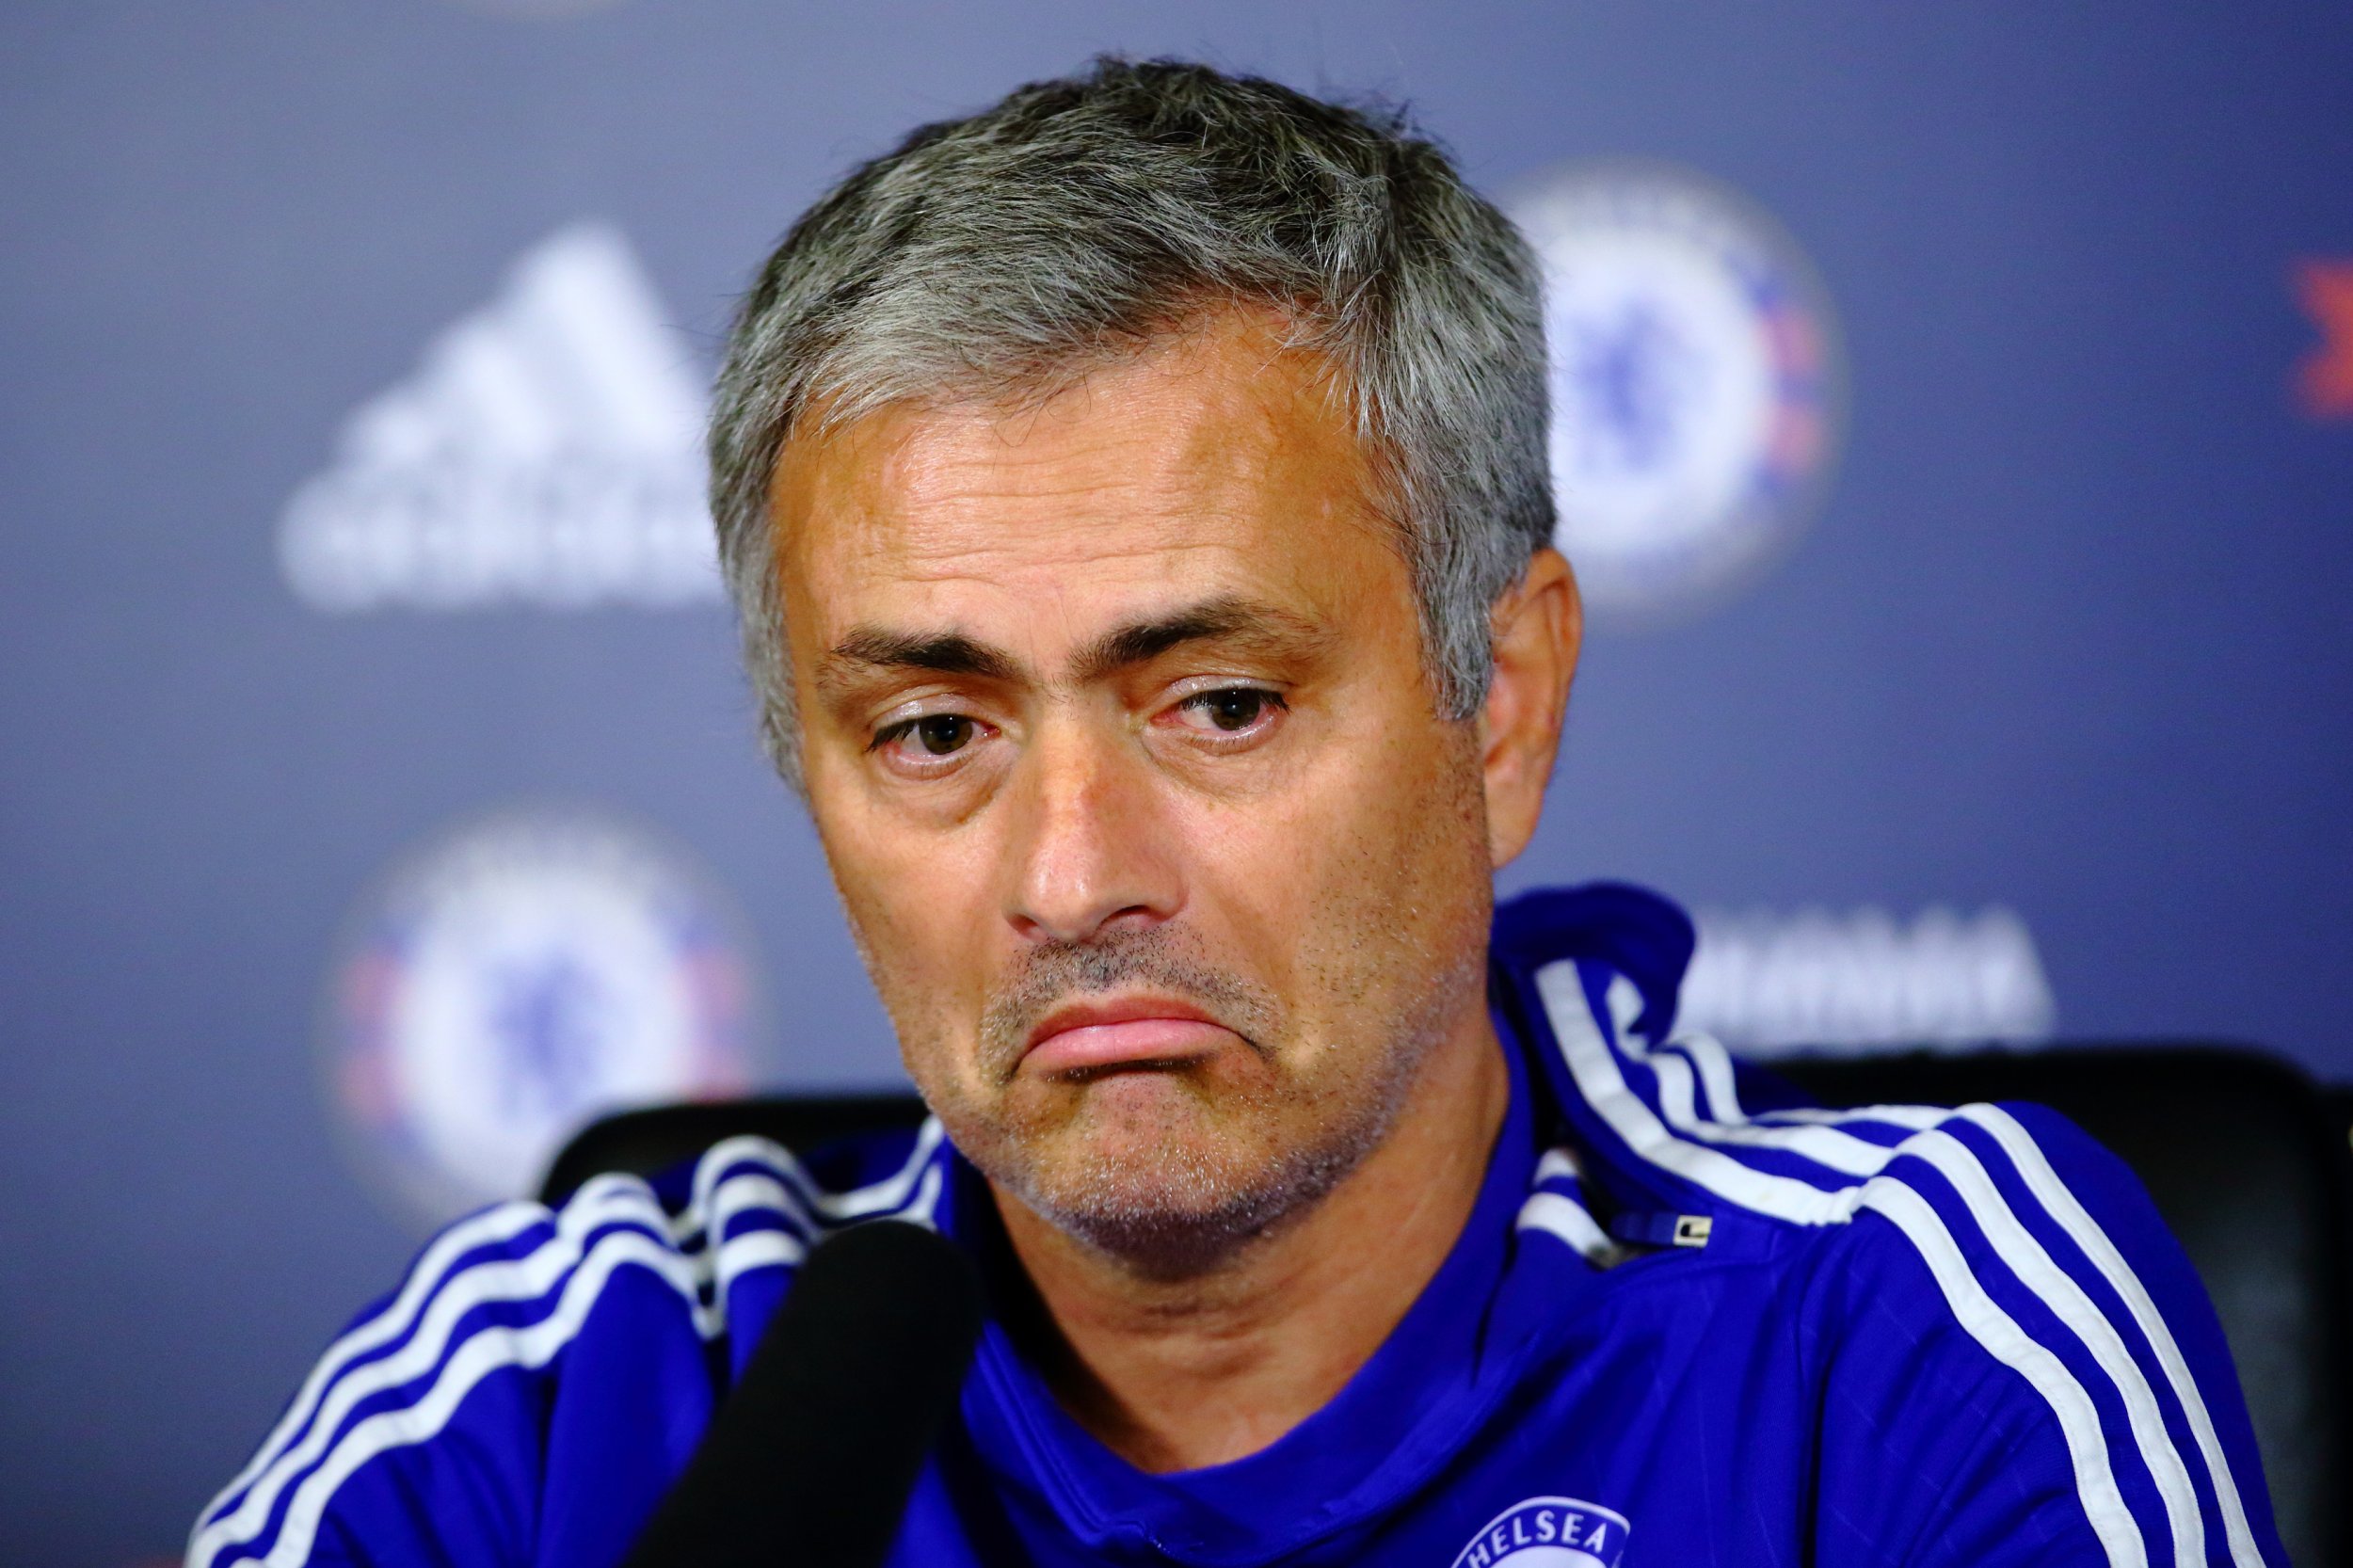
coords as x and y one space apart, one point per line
1082 220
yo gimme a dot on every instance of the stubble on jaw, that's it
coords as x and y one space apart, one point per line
1186 1183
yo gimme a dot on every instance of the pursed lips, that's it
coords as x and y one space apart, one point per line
1120 1031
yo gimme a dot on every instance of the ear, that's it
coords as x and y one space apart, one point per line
1538 626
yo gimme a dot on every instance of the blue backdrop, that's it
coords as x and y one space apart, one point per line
2055 679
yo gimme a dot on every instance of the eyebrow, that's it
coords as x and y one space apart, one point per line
1227 618
941 652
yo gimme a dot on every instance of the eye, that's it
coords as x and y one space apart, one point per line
942 735
1238 712
1237 709
928 741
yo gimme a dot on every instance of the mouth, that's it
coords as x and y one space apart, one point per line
1109 1033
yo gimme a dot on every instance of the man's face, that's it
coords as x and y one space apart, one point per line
1118 740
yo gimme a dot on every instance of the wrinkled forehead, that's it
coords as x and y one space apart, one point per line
1217 458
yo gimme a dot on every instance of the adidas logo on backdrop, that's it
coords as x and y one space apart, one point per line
546 452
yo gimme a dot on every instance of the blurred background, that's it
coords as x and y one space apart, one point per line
1955 432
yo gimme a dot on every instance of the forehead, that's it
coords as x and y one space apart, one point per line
1216 459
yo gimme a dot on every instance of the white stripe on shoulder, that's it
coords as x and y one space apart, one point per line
2034 1267
765 1249
1559 1215
1682 1137
1558 1163
1593 1064
604 1202
1564 1214
2000 1332
893 1193
2085 1233
796 1193
737 1177
487 1228
484 1353
1913 1116
1839 1153
2016 1246
751 1175
1714 1069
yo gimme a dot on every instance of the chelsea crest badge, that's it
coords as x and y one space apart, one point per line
1548 1532
1697 386
514 980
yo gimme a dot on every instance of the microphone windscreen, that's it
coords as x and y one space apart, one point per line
809 1461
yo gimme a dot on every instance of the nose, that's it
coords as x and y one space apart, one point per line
1090 853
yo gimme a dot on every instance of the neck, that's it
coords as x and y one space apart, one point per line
1178 1374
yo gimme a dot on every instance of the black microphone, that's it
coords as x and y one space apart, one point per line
810 1460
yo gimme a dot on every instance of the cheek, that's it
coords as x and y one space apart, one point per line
1355 884
919 917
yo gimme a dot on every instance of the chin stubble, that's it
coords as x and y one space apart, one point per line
1271 1154
1194 1203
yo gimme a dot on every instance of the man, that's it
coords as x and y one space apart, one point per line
1135 498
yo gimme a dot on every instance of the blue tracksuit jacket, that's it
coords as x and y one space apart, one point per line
1689 1322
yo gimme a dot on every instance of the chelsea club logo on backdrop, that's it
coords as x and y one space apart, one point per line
1696 384
517 979
1548 1532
